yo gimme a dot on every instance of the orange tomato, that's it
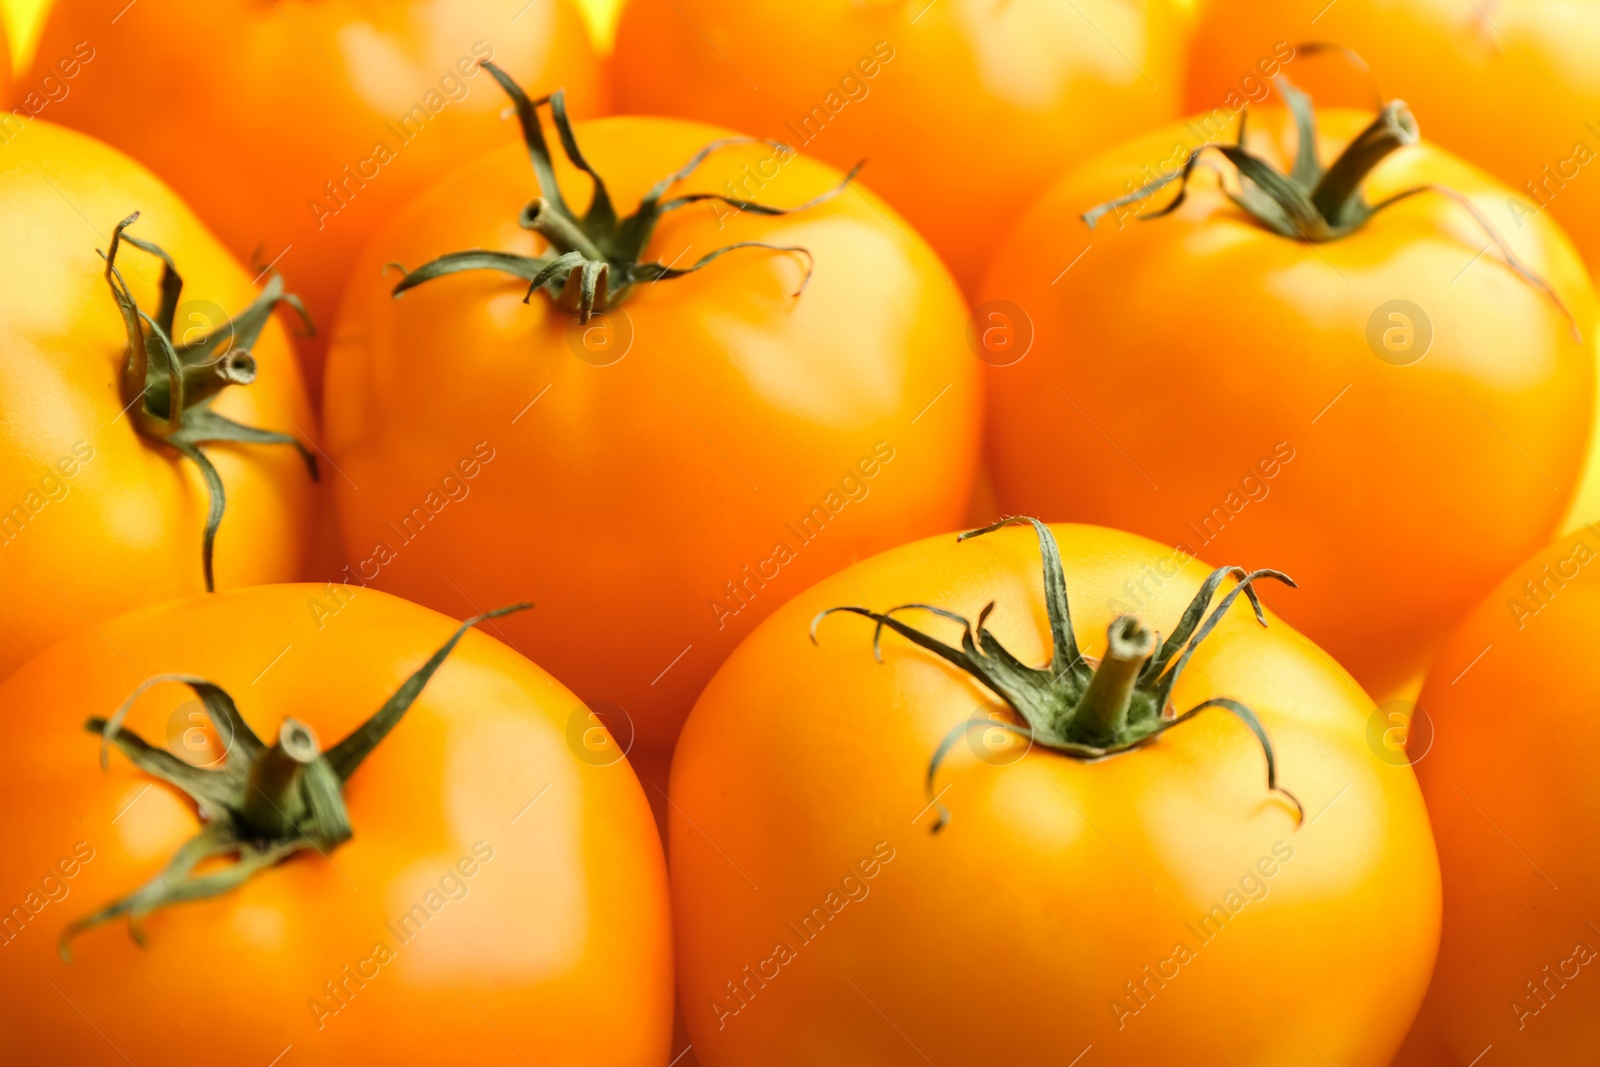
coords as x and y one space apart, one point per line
98 514
1510 86
1391 404
1503 744
295 128
658 479
6 125
502 899
965 109
1159 905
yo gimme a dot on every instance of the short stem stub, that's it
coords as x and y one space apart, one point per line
273 800
1102 714
544 219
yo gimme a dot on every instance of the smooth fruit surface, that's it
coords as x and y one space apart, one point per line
1159 905
965 109
94 518
660 479
315 119
1505 766
501 897
1394 417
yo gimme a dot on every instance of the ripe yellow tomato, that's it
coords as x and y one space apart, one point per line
1390 412
315 119
96 517
502 899
658 479
965 109
1504 751
1159 905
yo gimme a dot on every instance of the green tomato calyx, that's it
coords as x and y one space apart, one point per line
1076 706
264 803
167 388
1313 203
597 258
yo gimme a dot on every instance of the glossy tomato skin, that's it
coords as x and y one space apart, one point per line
965 110
1198 379
1510 785
658 481
551 941
98 520
1012 936
319 119
1512 90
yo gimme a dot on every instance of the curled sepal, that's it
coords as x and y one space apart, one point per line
1312 203
177 881
262 804
168 388
595 260
1075 706
1248 717
1064 641
956 733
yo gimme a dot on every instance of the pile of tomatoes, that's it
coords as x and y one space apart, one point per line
752 533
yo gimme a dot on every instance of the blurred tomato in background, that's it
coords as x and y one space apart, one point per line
964 109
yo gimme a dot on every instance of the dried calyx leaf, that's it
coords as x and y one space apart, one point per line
595 259
1314 203
167 388
264 804
1081 709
